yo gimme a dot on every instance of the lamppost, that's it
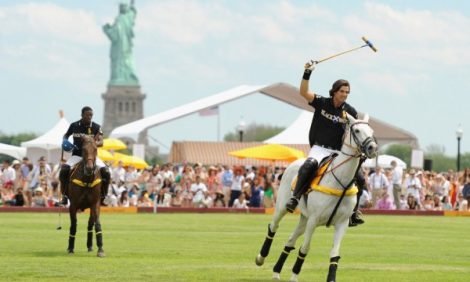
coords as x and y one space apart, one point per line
241 127
459 134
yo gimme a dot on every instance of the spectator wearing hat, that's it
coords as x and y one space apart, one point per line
39 199
16 165
413 185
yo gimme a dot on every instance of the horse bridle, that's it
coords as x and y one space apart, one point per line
360 152
361 147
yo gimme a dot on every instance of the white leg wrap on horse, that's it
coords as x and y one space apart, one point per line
276 276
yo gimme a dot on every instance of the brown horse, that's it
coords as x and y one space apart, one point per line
84 193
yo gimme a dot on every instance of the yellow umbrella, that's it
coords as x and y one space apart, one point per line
113 144
270 152
130 160
105 155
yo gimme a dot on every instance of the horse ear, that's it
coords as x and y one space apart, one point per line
366 117
351 119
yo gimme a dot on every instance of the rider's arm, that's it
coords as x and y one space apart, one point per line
309 96
99 139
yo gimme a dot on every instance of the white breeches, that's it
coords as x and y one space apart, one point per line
76 159
319 153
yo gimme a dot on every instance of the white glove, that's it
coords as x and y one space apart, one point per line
310 65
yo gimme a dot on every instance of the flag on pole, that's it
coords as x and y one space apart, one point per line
209 111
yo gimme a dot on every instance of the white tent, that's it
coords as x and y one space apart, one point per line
12 151
297 133
49 144
384 162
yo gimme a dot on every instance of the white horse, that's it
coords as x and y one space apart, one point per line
331 202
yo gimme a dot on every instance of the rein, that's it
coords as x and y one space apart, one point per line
359 154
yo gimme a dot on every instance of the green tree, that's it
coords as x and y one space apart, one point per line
17 138
402 152
254 133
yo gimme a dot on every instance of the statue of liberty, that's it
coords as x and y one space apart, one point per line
121 35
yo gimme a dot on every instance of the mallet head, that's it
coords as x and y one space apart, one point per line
369 44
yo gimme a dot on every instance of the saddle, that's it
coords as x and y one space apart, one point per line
314 185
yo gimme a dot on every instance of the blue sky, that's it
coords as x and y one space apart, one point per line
55 56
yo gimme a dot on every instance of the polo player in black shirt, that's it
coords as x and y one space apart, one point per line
77 129
326 134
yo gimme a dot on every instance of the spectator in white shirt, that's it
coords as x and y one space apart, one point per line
413 186
8 174
378 184
198 190
240 202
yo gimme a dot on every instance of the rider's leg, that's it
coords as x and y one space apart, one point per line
105 180
361 185
64 178
306 173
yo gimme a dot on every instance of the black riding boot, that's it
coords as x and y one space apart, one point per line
306 173
356 216
105 180
64 178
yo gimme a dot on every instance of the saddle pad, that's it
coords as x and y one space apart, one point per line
323 166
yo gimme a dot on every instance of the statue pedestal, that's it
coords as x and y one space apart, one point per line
123 104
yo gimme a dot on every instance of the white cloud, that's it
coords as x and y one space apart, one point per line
186 22
51 21
416 35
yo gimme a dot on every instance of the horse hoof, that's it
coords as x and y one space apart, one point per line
90 249
259 260
100 254
276 276
70 252
293 278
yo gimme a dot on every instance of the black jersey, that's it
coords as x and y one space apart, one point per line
327 128
77 130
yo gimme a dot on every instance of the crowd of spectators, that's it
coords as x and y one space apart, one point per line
168 185
206 186
415 189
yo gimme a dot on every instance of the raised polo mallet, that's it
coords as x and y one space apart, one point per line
368 43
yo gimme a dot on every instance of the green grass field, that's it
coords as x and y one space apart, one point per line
222 247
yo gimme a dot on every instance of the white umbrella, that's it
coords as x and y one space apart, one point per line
384 162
